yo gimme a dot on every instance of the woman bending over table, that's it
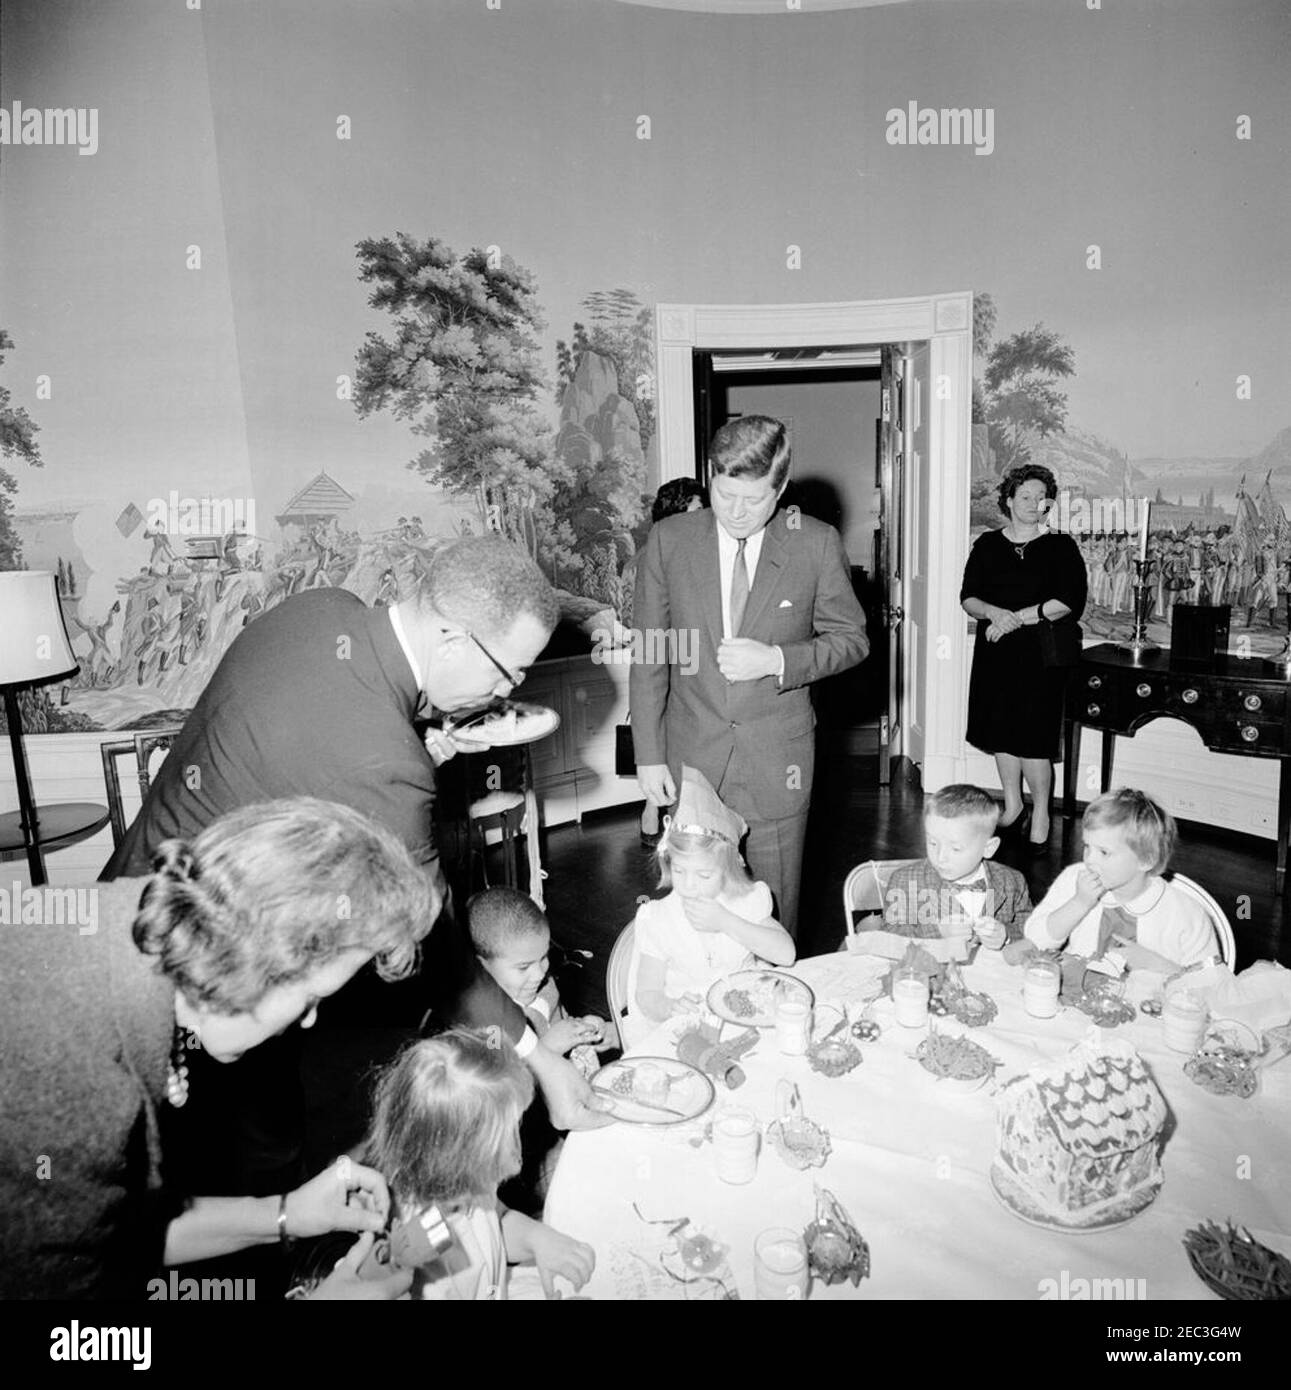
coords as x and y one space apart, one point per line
233 939
1015 579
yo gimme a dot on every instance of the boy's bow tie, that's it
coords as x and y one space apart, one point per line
978 885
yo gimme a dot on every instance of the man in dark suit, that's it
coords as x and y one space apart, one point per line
740 609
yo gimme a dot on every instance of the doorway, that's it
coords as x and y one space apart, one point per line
831 405
922 352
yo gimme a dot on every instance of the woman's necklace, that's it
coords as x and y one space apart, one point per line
177 1068
1020 547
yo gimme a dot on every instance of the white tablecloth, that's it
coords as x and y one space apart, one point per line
910 1164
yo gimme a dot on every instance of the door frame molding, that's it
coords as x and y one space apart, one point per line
945 322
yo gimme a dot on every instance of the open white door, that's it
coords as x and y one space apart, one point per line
935 331
890 561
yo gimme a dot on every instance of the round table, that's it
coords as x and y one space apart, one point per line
910 1164
60 825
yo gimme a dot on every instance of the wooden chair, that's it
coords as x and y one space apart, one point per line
141 746
501 810
1218 918
865 887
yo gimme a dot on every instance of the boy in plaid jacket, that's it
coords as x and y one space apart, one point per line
958 887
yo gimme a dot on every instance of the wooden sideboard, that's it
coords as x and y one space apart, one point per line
1236 707
573 768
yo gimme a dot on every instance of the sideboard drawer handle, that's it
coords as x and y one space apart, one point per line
1249 733
1190 696
1252 703
1095 682
1143 690
1093 710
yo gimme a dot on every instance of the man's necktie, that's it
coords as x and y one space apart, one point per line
739 589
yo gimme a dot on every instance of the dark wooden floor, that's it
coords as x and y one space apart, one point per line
598 870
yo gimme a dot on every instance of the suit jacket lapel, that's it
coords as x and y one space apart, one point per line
706 569
773 556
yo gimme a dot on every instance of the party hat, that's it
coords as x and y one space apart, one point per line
700 811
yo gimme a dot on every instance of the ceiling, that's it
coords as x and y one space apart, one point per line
758 6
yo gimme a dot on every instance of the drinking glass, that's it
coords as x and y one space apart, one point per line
910 998
735 1144
780 1265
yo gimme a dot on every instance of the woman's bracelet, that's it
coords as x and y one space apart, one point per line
283 1238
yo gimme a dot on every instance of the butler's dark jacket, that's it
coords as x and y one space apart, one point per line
316 698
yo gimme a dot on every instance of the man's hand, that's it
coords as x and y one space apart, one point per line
743 659
656 783
571 1102
705 914
344 1281
442 746
604 626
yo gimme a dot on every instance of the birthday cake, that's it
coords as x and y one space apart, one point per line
1079 1140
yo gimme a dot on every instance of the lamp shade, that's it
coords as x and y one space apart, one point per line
34 646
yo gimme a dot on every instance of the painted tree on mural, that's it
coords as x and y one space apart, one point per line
17 441
604 497
464 366
1022 400
621 331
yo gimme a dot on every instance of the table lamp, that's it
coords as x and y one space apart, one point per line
34 650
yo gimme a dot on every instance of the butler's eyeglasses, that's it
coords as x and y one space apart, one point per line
509 676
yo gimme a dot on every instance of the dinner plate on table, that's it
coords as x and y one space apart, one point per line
654 1090
503 725
1020 1202
749 997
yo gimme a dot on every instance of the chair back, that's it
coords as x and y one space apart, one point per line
1218 918
865 887
616 973
141 747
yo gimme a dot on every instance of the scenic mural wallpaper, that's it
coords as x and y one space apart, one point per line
327 287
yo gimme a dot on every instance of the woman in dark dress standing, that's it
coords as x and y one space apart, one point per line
1016 578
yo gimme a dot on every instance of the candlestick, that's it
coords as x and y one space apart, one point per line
1140 643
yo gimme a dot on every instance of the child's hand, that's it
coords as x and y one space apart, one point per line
990 933
1089 887
1140 958
956 928
557 1254
705 914
567 1033
687 1004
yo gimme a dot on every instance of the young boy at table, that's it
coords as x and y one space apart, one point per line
1115 901
716 919
512 940
958 889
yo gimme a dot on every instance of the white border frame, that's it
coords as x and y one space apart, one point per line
944 321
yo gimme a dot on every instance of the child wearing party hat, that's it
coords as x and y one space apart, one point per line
716 919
